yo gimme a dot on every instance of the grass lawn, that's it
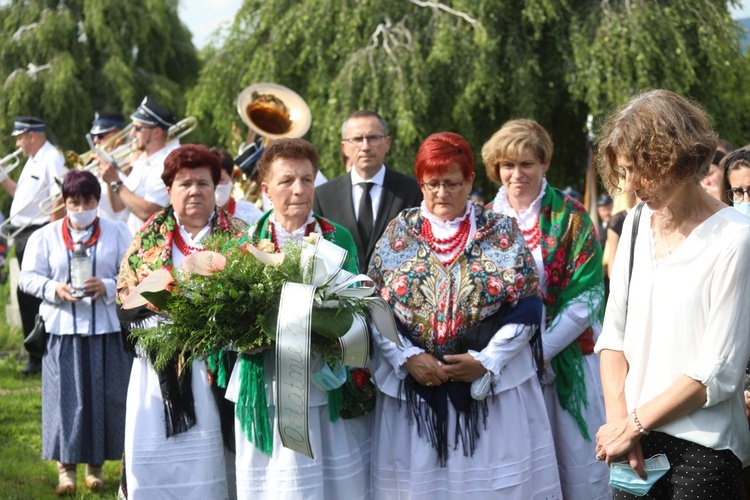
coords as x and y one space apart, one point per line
23 473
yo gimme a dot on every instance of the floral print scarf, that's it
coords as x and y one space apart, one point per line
574 272
151 250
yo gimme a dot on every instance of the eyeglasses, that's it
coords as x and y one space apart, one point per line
138 128
372 140
738 194
98 136
448 186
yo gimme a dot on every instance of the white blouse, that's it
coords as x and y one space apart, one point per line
687 314
47 262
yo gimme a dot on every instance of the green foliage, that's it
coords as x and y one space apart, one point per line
96 55
227 308
468 66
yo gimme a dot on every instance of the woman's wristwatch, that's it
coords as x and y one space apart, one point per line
115 186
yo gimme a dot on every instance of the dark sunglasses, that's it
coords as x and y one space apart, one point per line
138 128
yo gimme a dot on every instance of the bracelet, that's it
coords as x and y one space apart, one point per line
643 431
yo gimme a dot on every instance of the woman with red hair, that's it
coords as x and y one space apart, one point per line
173 431
460 395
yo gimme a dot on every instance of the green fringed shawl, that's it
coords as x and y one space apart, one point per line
251 408
573 267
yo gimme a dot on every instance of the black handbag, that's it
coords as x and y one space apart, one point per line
36 342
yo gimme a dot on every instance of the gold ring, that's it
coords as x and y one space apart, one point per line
428 384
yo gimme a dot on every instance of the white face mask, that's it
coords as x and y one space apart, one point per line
223 192
82 219
744 208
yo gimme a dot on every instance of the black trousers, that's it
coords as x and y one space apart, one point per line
28 305
696 472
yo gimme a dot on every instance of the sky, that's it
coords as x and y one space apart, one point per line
741 12
203 17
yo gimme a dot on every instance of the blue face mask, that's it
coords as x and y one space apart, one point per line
327 379
744 208
623 477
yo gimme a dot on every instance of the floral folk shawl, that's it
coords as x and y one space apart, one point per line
434 305
151 250
573 266
437 304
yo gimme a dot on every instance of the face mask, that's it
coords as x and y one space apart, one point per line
223 192
744 208
623 477
82 219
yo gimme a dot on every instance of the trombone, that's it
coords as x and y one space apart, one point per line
120 158
8 163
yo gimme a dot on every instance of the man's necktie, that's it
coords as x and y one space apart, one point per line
364 223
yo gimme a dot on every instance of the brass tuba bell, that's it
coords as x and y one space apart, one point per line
273 111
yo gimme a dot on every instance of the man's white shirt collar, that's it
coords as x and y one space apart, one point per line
376 179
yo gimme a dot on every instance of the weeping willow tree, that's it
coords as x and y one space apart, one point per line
63 59
469 65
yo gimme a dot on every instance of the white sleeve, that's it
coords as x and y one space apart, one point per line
613 330
507 342
570 323
122 243
34 278
394 354
725 346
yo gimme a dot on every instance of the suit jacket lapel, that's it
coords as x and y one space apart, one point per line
347 211
387 195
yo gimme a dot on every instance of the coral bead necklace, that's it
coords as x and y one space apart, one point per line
447 246
182 244
532 236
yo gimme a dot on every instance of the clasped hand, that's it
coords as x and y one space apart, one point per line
620 441
427 370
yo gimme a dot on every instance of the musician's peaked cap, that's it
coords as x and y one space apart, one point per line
152 113
247 161
23 124
106 122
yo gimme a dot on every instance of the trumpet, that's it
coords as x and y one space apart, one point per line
11 161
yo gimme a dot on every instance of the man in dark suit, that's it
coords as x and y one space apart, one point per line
369 196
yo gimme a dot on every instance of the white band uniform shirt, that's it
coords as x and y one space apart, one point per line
247 212
145 181
38 175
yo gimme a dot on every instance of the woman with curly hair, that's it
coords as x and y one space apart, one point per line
568 257
675 344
